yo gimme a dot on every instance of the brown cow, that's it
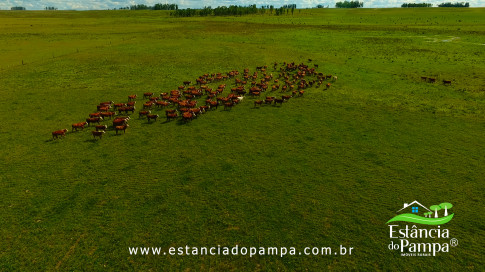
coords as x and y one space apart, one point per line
59 133
122 127
108 114
197 93
203 108
188 116
162 104
152 116
214 104
143 113
107 103
126 118
195 111
96 114
171 116
93 120
277 100
148 105
147 95
102 108
286 97
126 109
184 109
192 104
97 133
228 105
258 102
447 82
77 126
101 127
119 105
118 121
131 97
169 112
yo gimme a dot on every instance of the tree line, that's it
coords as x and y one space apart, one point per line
427 5
454 5
351 4
154 7
416 5
233 11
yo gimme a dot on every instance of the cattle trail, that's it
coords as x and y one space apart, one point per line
69 252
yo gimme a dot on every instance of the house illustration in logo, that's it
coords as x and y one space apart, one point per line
416 212
413 207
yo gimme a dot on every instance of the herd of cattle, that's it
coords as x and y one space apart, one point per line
184 103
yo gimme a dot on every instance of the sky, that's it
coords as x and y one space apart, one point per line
111 4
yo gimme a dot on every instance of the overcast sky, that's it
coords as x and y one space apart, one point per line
110 4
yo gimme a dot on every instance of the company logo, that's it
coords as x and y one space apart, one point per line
421 241
431 215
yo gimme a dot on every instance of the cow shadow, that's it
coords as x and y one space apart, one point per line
170 121
182 122
147 123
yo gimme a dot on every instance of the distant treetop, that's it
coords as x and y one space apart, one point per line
351 4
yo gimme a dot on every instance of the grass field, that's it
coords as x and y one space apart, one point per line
326 169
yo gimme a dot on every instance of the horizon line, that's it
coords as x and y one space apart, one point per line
124 8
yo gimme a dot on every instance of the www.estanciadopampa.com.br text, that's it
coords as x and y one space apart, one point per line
241 251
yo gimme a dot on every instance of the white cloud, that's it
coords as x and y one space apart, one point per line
110 4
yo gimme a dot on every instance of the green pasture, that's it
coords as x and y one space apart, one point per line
326 169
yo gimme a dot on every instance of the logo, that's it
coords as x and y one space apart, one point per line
427 240
431 217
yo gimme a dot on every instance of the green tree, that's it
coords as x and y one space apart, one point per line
446 206
436 208
351 4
